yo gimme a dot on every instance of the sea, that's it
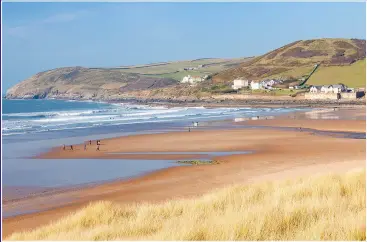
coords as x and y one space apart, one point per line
30 127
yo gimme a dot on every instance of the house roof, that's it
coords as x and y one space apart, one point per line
337 86
334 85
317 87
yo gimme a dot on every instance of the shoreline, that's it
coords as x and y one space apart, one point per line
209 103
163 184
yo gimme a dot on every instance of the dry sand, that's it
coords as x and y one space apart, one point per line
277 155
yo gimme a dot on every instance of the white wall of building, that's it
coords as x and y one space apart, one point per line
326 89
237 84
313 90
255 85
191 79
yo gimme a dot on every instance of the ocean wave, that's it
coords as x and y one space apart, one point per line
118 114
49 114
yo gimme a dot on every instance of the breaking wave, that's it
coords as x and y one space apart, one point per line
116 114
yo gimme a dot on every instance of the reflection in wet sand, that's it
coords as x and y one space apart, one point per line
253 118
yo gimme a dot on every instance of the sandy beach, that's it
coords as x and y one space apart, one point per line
275 154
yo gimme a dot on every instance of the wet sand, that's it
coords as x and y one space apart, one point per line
325 125
347 120
277 154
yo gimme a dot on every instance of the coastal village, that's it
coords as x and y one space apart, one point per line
271 84
330 91
335 91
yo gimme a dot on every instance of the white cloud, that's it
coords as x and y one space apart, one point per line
60 18
23 30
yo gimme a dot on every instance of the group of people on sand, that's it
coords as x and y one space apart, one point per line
71 147
85 145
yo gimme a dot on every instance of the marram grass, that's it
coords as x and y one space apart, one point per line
317 208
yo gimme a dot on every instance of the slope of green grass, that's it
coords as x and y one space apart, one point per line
179 75
352 76
296 72
171 68
297 59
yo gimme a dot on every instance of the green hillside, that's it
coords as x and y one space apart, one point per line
353 75
111 83
175 70
299 58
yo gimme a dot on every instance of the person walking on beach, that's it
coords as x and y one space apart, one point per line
63 147
85 147
97 147
90 142
189 129
71 147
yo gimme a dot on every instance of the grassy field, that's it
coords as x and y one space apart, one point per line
296 72
175 69
352 76
179 75
317 208
297 59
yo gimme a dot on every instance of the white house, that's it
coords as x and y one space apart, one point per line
338 88
238 83
192 79
315 89
196 78
185 79
268 84
265 84
255 85
326 89
333 88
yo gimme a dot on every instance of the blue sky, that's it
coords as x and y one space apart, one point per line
42 36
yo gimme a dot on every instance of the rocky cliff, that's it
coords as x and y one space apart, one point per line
84 83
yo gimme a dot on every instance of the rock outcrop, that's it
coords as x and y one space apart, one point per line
84 83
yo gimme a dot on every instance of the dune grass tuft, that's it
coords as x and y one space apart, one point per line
317 208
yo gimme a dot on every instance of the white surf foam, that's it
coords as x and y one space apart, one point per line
117 114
